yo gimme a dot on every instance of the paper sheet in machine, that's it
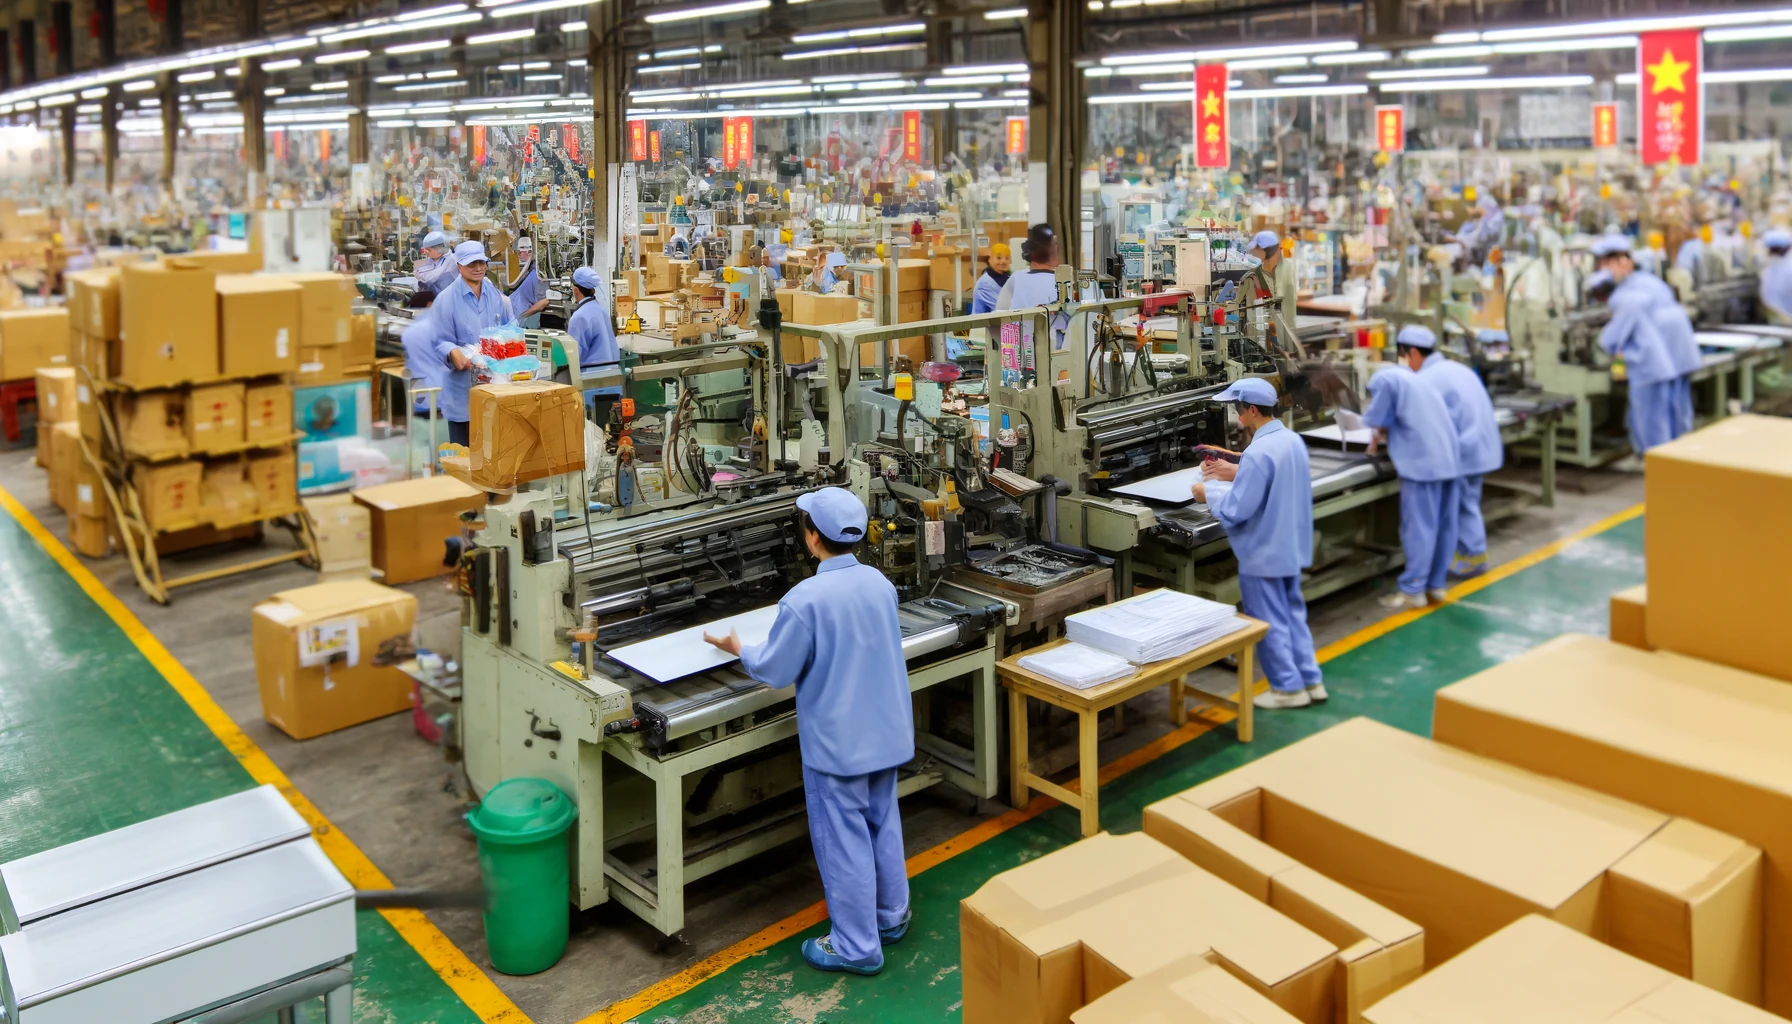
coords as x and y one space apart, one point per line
685 652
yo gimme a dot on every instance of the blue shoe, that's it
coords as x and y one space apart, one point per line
893 934
819 954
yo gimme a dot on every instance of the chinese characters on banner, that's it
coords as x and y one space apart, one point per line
478 145
1605 125
1017 136
530 141
637 141
1390 128
1670 114
1213 142
728 129
653 146
569 134
911 135
737 142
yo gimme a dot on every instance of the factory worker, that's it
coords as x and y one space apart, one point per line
464 309
836 638
1409 412
1277 269
1038 284
1478 237
1645 331
990 282
824 277
528 292
1776 277
591 323
435 269
1268 515
1478 450
774 256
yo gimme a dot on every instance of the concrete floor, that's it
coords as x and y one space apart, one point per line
402 804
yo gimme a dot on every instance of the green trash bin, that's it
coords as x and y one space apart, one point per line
522 830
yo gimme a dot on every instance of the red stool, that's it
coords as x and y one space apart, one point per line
13 394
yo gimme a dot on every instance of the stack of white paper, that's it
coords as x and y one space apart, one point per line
1078 666
1154 626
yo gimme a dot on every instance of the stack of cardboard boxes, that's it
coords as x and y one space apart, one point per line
27 236
32 339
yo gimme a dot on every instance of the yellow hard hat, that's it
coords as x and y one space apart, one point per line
1468 193
1705 233
785 236
999 249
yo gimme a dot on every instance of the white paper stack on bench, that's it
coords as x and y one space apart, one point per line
1077 665
1154 626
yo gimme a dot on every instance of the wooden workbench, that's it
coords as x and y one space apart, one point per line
1087 704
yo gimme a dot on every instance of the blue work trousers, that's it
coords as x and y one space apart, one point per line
1471 528
1654 413
1428 513
1286 651
1682 406
856 830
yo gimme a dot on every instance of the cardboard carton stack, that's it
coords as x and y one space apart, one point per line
26 235
318 651
31 340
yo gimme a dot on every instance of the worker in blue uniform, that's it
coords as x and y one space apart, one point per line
1479 450
1633 333
1409 413
1678 338
1038 284
528 293
837 640
468 306
990 282
1268 516
435 268
593 327
1776 277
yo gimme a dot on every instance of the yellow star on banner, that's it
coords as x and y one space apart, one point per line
1669 75
1210 104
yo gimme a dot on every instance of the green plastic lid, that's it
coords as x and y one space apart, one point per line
522 811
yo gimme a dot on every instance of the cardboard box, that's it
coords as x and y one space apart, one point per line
95 355
361 331
912 275
1042 940
314 651
1715 593
1464 846
65 452
87 410
169 493
524 431
267 413
787 302
1629 617
275 477
31 339
412 520
226 495
93 301
1010 232
215 417
819 310
1690 901
1190 991
947 271
226 262
90 535
322 365
55 404
1695 739
168 323
1538 970
154 423
343 529
324 307
258 325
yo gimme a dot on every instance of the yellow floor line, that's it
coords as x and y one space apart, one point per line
468 982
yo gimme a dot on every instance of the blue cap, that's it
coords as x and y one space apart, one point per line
836 513
470 252
1265 240
1600 279
1778 238
1416 336
434 240
585 278
1253 390
1611 245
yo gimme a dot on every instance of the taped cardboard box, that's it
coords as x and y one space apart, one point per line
267 413
91 535
169 493
1043 940
1630 617
65 451
325 304
323 364
343 528
314 656
55 404
1463 846
820 310
87 410
153 424
226 495
1190 991
215 417
361 332
258 325
912 275
1715 595
226 262
1703 741
412 521
97 356
524 431
275 477
93 301
31 339
1537 970
168 323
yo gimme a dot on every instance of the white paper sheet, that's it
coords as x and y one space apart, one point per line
676 655
1169 489
1331 432
1733 340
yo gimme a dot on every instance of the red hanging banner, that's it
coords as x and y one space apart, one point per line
1017 136
1670 112
1213 140
911 135
653 146
637 141
1605 125
323 146
478 145
730 142
1390 128
743 142
569 133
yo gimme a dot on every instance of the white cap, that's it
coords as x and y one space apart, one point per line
470 252
1265 240
525 242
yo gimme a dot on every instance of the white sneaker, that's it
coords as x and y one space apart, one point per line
1400 599
1283 699
1316 693
1629 464
1438 596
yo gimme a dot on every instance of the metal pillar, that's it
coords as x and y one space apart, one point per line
359 146
1057 118
251 97
68 144
109 136
170 93
173 32
608 126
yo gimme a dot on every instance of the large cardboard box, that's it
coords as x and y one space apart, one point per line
226 262
93 301
412 520
87 410
324 307
314 656
1042 940
1534 970
1464 845
91 535
226 495
524 431
55 404
819 310
258 325
1009 232
343 528
1703 741
168 323
1192 990
1716 584
1630 617
912 275
275 477
65 452
31 339
153 423
267 413
324 364
170 493
362 328
215 417
952 268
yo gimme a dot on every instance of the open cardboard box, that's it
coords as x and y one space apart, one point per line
1192 990
1464 846
1708 742
1630 617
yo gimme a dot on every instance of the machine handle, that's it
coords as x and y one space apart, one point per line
552 732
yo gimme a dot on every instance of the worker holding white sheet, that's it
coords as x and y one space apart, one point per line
838 641
1479 448
1410 414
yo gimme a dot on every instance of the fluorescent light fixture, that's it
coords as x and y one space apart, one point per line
1010 13
842 51
709 11
1011 93
900 83
61 99
430 12
984 69
647 94
986 104
1447 52
202 97
87 108
537 6
500 37
1109 98
196 76
1749 34
965 80
393 28
1120 60
420 86
1300 79
1281 50
907 28
285 64
1749 75
1633 26
423 47
666 69
96 93
1454 38
774 90
1184 84
682 51
232 71
329 86
141 85
439 123
394 124
537 65
341 58
1097 72
1298 92
541 78
867 76
1451 84
1155 69
1568 45
1259 63
575 26
1454 71
577 62
1358 57
443 73
273 90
